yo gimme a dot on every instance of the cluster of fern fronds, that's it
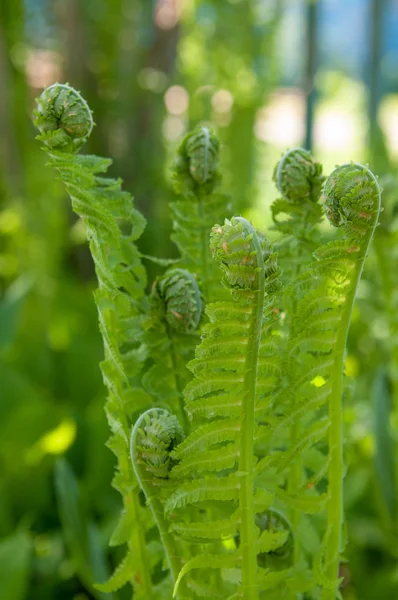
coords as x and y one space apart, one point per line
225 375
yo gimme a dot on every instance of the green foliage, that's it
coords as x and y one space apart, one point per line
244 501
81 534
195 175
15 561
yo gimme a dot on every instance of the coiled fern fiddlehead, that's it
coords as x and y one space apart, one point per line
112 226
171 334
181 300
233 374
196 175
298 177
352 200
154 436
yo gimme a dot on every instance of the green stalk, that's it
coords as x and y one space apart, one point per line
296 475
246 463
336 466
177 379
388 291
139 545
204 249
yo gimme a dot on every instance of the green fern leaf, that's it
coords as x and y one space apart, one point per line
122 575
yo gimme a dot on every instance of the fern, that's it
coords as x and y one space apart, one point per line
352 202
112 226
298 178
247 503
196 175
230 363
153 437
170 334
324 294
296 215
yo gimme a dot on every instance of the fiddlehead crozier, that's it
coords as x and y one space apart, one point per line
112 226
195 176
153 438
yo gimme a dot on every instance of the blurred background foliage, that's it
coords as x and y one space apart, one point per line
267 75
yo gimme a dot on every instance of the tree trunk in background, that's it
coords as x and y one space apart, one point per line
11 171
310 71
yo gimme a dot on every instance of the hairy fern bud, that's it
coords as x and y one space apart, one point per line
196 165
63 118
235 246
180 296
154 436
298 176
351 195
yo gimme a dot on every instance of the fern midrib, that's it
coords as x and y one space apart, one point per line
388 292
246 461
336 466
177 379
204 249
295 475
138 545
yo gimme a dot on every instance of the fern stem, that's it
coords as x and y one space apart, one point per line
246 463
295 476
177 379
336 467
204 249
388 293
139 545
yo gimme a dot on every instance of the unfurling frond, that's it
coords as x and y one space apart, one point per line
196 164
298 176
234 366
112 226
179 294
63 118
196 175
153 438
351 196
297 214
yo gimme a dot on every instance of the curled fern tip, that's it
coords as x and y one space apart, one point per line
179 294
63 118
196 165
351 196
298 176
153 438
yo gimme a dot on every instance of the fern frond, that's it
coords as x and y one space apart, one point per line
231 372
112 226
195 175
209 434
122 575
153 438
210 561
298 177
210 530
352 199
319 311
171 335
210 488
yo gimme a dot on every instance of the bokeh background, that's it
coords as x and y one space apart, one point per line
267 75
